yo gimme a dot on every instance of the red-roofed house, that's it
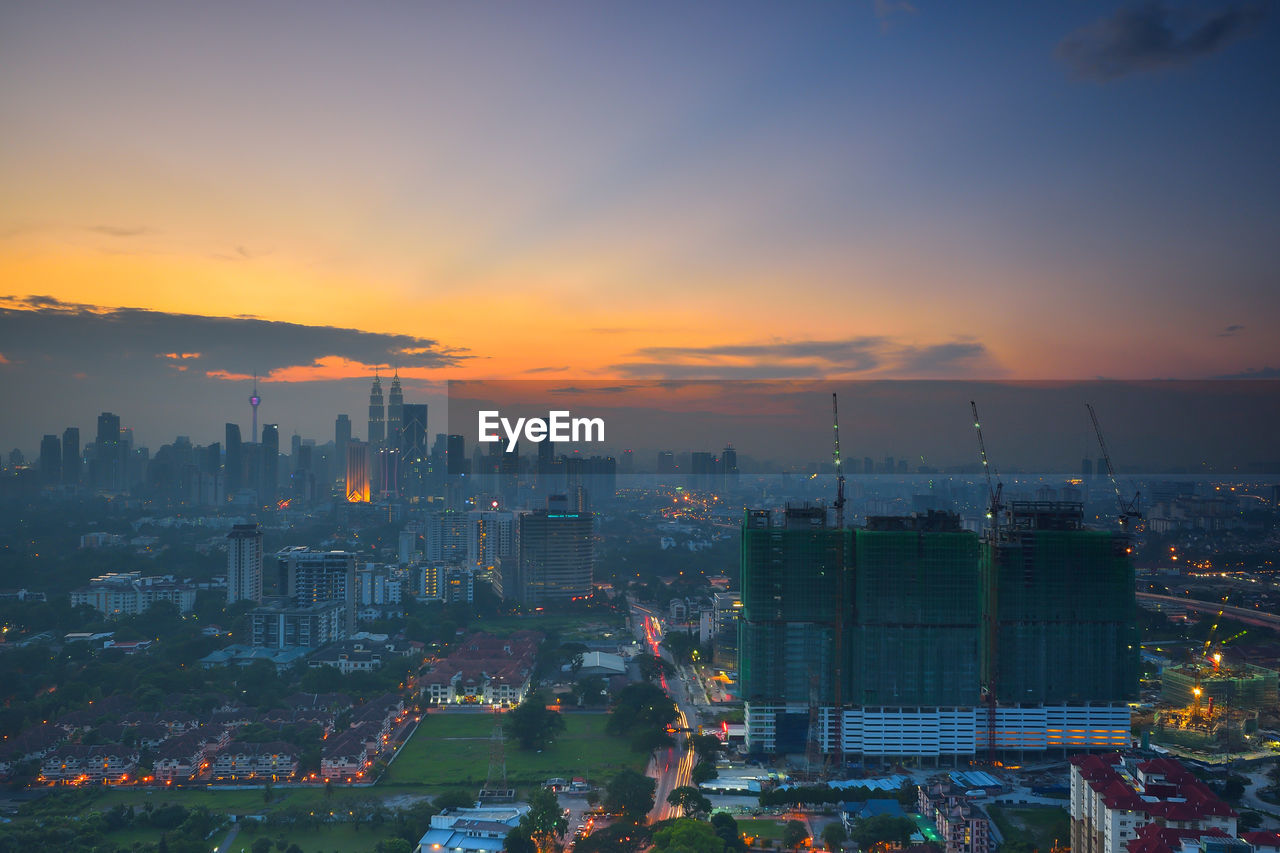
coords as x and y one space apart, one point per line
1113 798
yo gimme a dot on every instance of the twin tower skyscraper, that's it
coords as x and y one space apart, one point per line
394 461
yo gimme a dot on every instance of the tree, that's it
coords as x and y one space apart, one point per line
708 747
518 841
544 822
794 834
618 838
687 836
834 835
870 831
532 725
652 667
393 845
643 712
727 828
689 798
703 772
630 794
454 798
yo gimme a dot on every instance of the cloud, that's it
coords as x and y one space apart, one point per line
887 10
941 357
869 357
546 370
1231 331
1253 373
119 230
72 336
851 354
4 360
1143 38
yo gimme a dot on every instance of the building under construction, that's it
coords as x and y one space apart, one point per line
795 574
916 612
913 638
1238 685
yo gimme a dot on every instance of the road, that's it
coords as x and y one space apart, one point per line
225 846
1246 615
672 767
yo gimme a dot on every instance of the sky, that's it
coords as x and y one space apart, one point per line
597 191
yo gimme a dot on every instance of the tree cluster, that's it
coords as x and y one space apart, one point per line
643 712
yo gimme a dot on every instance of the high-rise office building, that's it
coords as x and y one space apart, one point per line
244 563
71 456
270 478
395 413
456 457
554 557
377 414
341 437
50 460
108 461
234 464
358 490
415 457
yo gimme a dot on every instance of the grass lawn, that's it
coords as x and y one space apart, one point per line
335 838
248 802
1037 826
769 829
453 749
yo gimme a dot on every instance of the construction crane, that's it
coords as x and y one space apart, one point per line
835 456
992 625
1127 510
993 492
840 602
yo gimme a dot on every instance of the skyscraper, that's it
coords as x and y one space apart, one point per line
357 479
108 464
244 563
50 460
415 455
71 456
395 413
377 414
554 557
341 437
270 478
234 464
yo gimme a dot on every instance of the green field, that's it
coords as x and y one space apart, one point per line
453 749
767 829
338 838
1038 826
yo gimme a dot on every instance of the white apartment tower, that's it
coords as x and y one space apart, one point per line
244 563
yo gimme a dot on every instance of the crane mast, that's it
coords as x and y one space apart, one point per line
993 493
835 456
1128 510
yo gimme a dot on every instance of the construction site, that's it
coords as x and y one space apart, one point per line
910 638
1211 705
